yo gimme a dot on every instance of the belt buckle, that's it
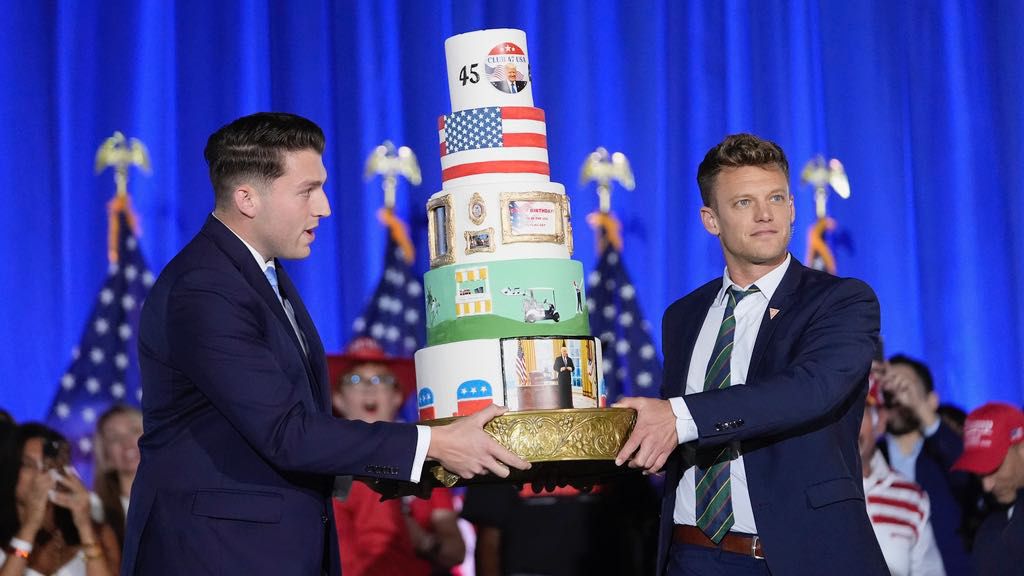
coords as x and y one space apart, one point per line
754 541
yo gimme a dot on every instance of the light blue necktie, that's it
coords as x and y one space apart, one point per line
271 274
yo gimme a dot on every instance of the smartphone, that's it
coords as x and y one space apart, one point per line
57 454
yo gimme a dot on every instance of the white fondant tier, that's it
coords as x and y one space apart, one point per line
461 378
487 223
489 68
535 297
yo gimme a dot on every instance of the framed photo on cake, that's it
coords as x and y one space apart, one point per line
477 209
441 231
533 217
480 240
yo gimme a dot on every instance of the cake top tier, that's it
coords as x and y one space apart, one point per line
488 68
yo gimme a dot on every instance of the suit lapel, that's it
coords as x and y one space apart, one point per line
242 258
692 321
314 359
780 302
246 264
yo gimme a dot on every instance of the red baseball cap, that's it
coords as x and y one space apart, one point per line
366 350
988 434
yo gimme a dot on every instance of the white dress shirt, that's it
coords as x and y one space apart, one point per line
422 432
749 312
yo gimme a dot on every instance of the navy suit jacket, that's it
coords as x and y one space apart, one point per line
796 420
240 448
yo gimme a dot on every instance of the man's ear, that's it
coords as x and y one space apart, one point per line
709 219
246 199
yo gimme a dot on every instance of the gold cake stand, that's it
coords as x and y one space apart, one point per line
567 446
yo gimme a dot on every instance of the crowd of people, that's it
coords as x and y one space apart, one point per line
938 488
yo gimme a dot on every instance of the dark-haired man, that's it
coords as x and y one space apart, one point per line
765 378
240 447
921 447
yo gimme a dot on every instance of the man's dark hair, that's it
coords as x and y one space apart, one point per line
735 151
251 148
919 368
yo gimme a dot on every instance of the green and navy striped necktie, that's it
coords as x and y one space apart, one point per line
714 489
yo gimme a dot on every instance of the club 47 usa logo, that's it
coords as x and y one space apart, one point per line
507 68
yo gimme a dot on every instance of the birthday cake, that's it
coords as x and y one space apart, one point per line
505 305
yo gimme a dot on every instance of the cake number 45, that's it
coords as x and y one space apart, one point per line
469 74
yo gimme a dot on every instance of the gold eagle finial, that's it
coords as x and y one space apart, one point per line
120 153
388 162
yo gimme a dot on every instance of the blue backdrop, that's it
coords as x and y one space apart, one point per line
920 100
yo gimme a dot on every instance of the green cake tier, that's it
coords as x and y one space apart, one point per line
505 298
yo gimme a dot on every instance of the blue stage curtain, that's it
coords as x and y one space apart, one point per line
920 100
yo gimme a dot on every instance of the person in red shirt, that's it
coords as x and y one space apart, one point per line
409 536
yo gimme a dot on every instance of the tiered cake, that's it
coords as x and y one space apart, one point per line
506 313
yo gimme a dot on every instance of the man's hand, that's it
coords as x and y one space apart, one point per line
654 435
907 391
464 449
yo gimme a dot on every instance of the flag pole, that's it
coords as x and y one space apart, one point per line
119 153
604 168
822 175
389 163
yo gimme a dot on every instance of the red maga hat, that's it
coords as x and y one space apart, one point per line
988 434
366 350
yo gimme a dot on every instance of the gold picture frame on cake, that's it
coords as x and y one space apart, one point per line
441 231
477 209
479 240
568 224
532 217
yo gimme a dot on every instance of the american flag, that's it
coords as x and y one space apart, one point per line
473 396
521 373
631 366
104 367
394 315
499 139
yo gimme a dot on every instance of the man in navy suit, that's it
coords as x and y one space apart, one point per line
765 380
240 448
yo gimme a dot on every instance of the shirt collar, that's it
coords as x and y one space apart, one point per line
766 284
260 260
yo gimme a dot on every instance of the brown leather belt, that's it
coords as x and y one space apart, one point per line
745 544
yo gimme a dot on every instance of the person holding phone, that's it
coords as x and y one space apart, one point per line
45 520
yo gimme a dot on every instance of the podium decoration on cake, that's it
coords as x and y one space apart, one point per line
506 316
630 366
822 175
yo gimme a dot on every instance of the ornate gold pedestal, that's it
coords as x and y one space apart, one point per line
568 445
